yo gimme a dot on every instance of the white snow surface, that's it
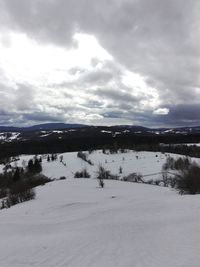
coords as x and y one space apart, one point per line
145 163
74 223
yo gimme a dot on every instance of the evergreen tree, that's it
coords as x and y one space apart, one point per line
16 175
34 166
37 166
30 166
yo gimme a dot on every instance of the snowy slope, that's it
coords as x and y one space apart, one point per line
140 162
73 223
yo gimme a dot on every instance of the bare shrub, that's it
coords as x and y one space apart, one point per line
14 191
102 173
169 164
19 192
36 180
133 177
82 174
62 178
101 183
188 181
182 163
120 170
165 178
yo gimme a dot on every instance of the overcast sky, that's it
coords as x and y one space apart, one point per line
100 62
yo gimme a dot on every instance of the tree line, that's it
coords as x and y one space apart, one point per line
137 142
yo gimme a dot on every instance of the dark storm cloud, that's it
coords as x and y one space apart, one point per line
157 39
184 111
184 114
179 115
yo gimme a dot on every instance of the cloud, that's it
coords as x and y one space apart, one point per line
135 61
97 77
115 96
161 111
185 114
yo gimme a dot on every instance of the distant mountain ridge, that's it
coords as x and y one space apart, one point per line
49 132
40 127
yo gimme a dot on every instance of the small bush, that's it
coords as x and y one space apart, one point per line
36 180
181 163
133 177
102 173
82 174
62 178
101 183
14 199
19 192
169 164
120 170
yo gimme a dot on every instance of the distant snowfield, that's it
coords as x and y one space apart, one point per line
74 223
181 144
190 144
9 136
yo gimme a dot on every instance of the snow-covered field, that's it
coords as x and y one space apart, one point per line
74 223
145 163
